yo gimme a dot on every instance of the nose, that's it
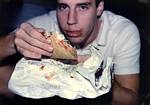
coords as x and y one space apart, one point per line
72 17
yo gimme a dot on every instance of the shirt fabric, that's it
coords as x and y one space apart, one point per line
118 38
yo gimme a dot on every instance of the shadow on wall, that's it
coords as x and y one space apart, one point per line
12 14
30 10
8 14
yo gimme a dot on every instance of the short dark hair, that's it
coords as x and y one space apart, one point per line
97 2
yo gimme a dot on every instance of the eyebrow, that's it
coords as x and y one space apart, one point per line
78 4
86 3
61 4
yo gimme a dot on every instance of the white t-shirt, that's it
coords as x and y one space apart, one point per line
118 38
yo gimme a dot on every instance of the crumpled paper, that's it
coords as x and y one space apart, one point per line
48 77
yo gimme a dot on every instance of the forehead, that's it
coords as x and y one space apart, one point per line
75 1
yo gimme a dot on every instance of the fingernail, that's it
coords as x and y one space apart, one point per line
49 54
50 48
48 40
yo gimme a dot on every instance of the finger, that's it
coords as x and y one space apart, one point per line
20 34
40 30
36 33
29 54
25 47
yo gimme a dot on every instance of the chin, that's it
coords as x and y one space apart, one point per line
76 42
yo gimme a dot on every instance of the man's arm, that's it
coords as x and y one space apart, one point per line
5 74
125 89
7 59
7 46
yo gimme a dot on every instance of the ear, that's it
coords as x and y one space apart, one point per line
100 8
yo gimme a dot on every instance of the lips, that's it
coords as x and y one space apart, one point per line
75 33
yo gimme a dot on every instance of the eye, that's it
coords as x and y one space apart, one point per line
84 7
62 7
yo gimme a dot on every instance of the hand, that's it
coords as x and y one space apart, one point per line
31 43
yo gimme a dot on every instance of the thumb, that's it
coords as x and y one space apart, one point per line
41 30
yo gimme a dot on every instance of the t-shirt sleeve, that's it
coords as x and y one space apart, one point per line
127 51
47 21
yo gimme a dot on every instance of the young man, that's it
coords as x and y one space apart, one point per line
85 23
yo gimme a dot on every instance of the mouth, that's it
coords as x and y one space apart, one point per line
74 33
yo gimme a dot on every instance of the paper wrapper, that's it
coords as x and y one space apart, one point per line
47 78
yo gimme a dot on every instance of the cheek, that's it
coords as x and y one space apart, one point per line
61 19
88 22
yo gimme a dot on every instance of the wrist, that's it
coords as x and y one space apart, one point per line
7 46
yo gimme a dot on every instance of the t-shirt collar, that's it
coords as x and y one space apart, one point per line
103 32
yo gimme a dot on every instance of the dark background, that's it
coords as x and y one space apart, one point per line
14 12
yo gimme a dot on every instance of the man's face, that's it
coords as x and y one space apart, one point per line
78 19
